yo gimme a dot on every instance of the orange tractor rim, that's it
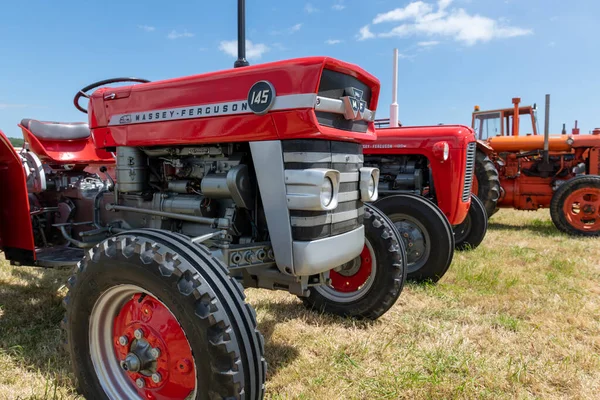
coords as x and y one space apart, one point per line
582 209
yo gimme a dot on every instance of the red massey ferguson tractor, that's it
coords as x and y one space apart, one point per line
425 189
176 194
559 172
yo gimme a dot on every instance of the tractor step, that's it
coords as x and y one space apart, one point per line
58 256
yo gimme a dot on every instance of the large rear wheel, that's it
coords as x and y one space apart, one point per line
486 185
575 206
369 285
149 315
426 233
470 233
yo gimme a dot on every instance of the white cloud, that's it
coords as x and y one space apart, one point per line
254 51
8 105
309 8
288 31
419 19
551 44
339 5
333 41
428 43
412 10
177 35
147 28
365 33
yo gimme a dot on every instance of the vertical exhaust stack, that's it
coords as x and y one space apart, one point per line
241 61
547 129
394 106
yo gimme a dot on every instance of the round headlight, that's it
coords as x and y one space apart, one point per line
326 191
372 186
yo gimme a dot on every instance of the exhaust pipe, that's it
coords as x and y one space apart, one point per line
547 129
241 60
394 106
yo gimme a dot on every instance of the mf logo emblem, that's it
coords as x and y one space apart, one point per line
354 105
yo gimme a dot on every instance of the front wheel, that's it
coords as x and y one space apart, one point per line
426 233
575 206
369 285
470 233
149 315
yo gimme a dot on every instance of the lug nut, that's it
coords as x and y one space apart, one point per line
156 378
139 382
155 353
123 340
138 334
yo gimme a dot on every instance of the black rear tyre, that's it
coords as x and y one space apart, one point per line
471 232
189 283
488 182
368 286
575 206
426 233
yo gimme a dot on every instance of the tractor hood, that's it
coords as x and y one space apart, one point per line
415 137
316 97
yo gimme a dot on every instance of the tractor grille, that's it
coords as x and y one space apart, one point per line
345 157
469 171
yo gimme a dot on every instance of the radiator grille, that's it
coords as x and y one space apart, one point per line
469 171
345 157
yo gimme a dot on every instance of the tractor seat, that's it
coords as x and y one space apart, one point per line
46 130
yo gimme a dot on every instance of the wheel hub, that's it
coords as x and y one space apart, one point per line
353 275
151 350
140 358
582 209
415 241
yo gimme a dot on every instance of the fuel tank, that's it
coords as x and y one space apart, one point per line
536 142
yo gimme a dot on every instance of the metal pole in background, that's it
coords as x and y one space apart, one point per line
547 129
241 61
394 105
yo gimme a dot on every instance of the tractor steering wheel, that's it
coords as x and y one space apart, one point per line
83 91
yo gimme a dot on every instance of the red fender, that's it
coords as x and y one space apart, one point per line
16 233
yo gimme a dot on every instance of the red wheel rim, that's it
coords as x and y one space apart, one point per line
582 209
170 375
351 283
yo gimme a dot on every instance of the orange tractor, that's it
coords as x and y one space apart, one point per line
532 171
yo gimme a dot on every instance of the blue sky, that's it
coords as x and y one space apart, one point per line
453 53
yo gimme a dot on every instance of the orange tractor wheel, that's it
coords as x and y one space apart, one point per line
575 206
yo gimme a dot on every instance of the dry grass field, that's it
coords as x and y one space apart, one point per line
518 318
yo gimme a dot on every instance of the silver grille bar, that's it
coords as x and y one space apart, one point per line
469 171
336 106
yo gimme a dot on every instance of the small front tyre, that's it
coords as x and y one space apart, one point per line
470 233
149 315
368 286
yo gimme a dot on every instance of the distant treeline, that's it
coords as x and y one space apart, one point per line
16 142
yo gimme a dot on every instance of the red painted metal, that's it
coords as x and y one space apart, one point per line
161 329
298 76
80 151
582 209
15 222
448 176
348 284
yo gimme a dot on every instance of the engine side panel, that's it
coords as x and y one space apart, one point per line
16 233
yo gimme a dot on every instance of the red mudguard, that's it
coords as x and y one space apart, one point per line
16 233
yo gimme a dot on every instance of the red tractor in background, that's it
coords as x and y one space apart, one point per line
178 192
425 189
560 172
